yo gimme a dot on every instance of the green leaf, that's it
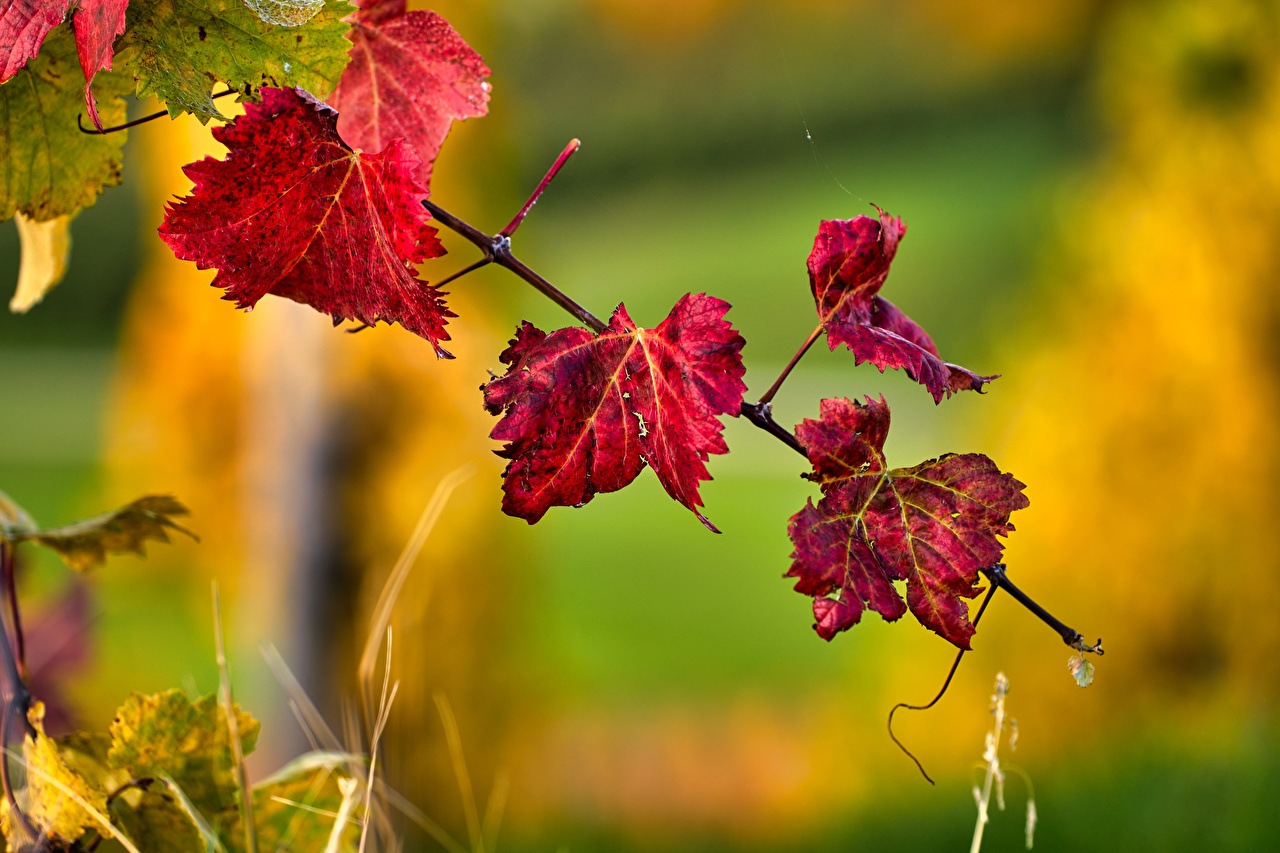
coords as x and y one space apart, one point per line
48 168
168 734
85 544
185 46
85 753
296 808
154 819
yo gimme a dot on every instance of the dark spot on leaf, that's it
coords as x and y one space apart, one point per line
203 34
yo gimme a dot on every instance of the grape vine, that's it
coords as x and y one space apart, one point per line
323 198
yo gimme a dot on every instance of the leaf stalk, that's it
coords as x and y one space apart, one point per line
795 359
569 150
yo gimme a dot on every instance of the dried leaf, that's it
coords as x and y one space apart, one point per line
85 544
46 248
1081 670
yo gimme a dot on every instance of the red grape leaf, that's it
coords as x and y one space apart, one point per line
933 525
584 413
411 75
847 267
96 24
23 26
294 212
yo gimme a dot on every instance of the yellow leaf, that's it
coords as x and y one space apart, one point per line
46 247
58 800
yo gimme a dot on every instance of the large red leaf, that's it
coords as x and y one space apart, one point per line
584 413
23 26
933 525
294 212
411 75
96 24
847 267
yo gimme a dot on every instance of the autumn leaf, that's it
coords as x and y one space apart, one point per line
24 24
46 248
1081 670
188 741
51 168
56 796
294 212
296 807
411 75
584 413
933 525
184 46
847 267
96 24
85 544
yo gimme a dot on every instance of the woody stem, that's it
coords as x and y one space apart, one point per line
1073 638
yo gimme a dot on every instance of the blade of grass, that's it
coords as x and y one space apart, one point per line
400 573
454 740
384 714
493 811
233 729
348 786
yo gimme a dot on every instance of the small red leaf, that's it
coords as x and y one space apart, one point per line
96 24
933 525
294 212
847 267
411 75
585 413
23 26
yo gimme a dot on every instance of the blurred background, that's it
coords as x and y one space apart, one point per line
1092 191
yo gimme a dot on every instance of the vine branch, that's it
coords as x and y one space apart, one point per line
8 568
17 702
1073 638
497 250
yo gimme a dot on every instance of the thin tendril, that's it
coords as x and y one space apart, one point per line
950 674
93 131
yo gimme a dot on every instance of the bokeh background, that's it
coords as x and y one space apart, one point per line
1092 189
